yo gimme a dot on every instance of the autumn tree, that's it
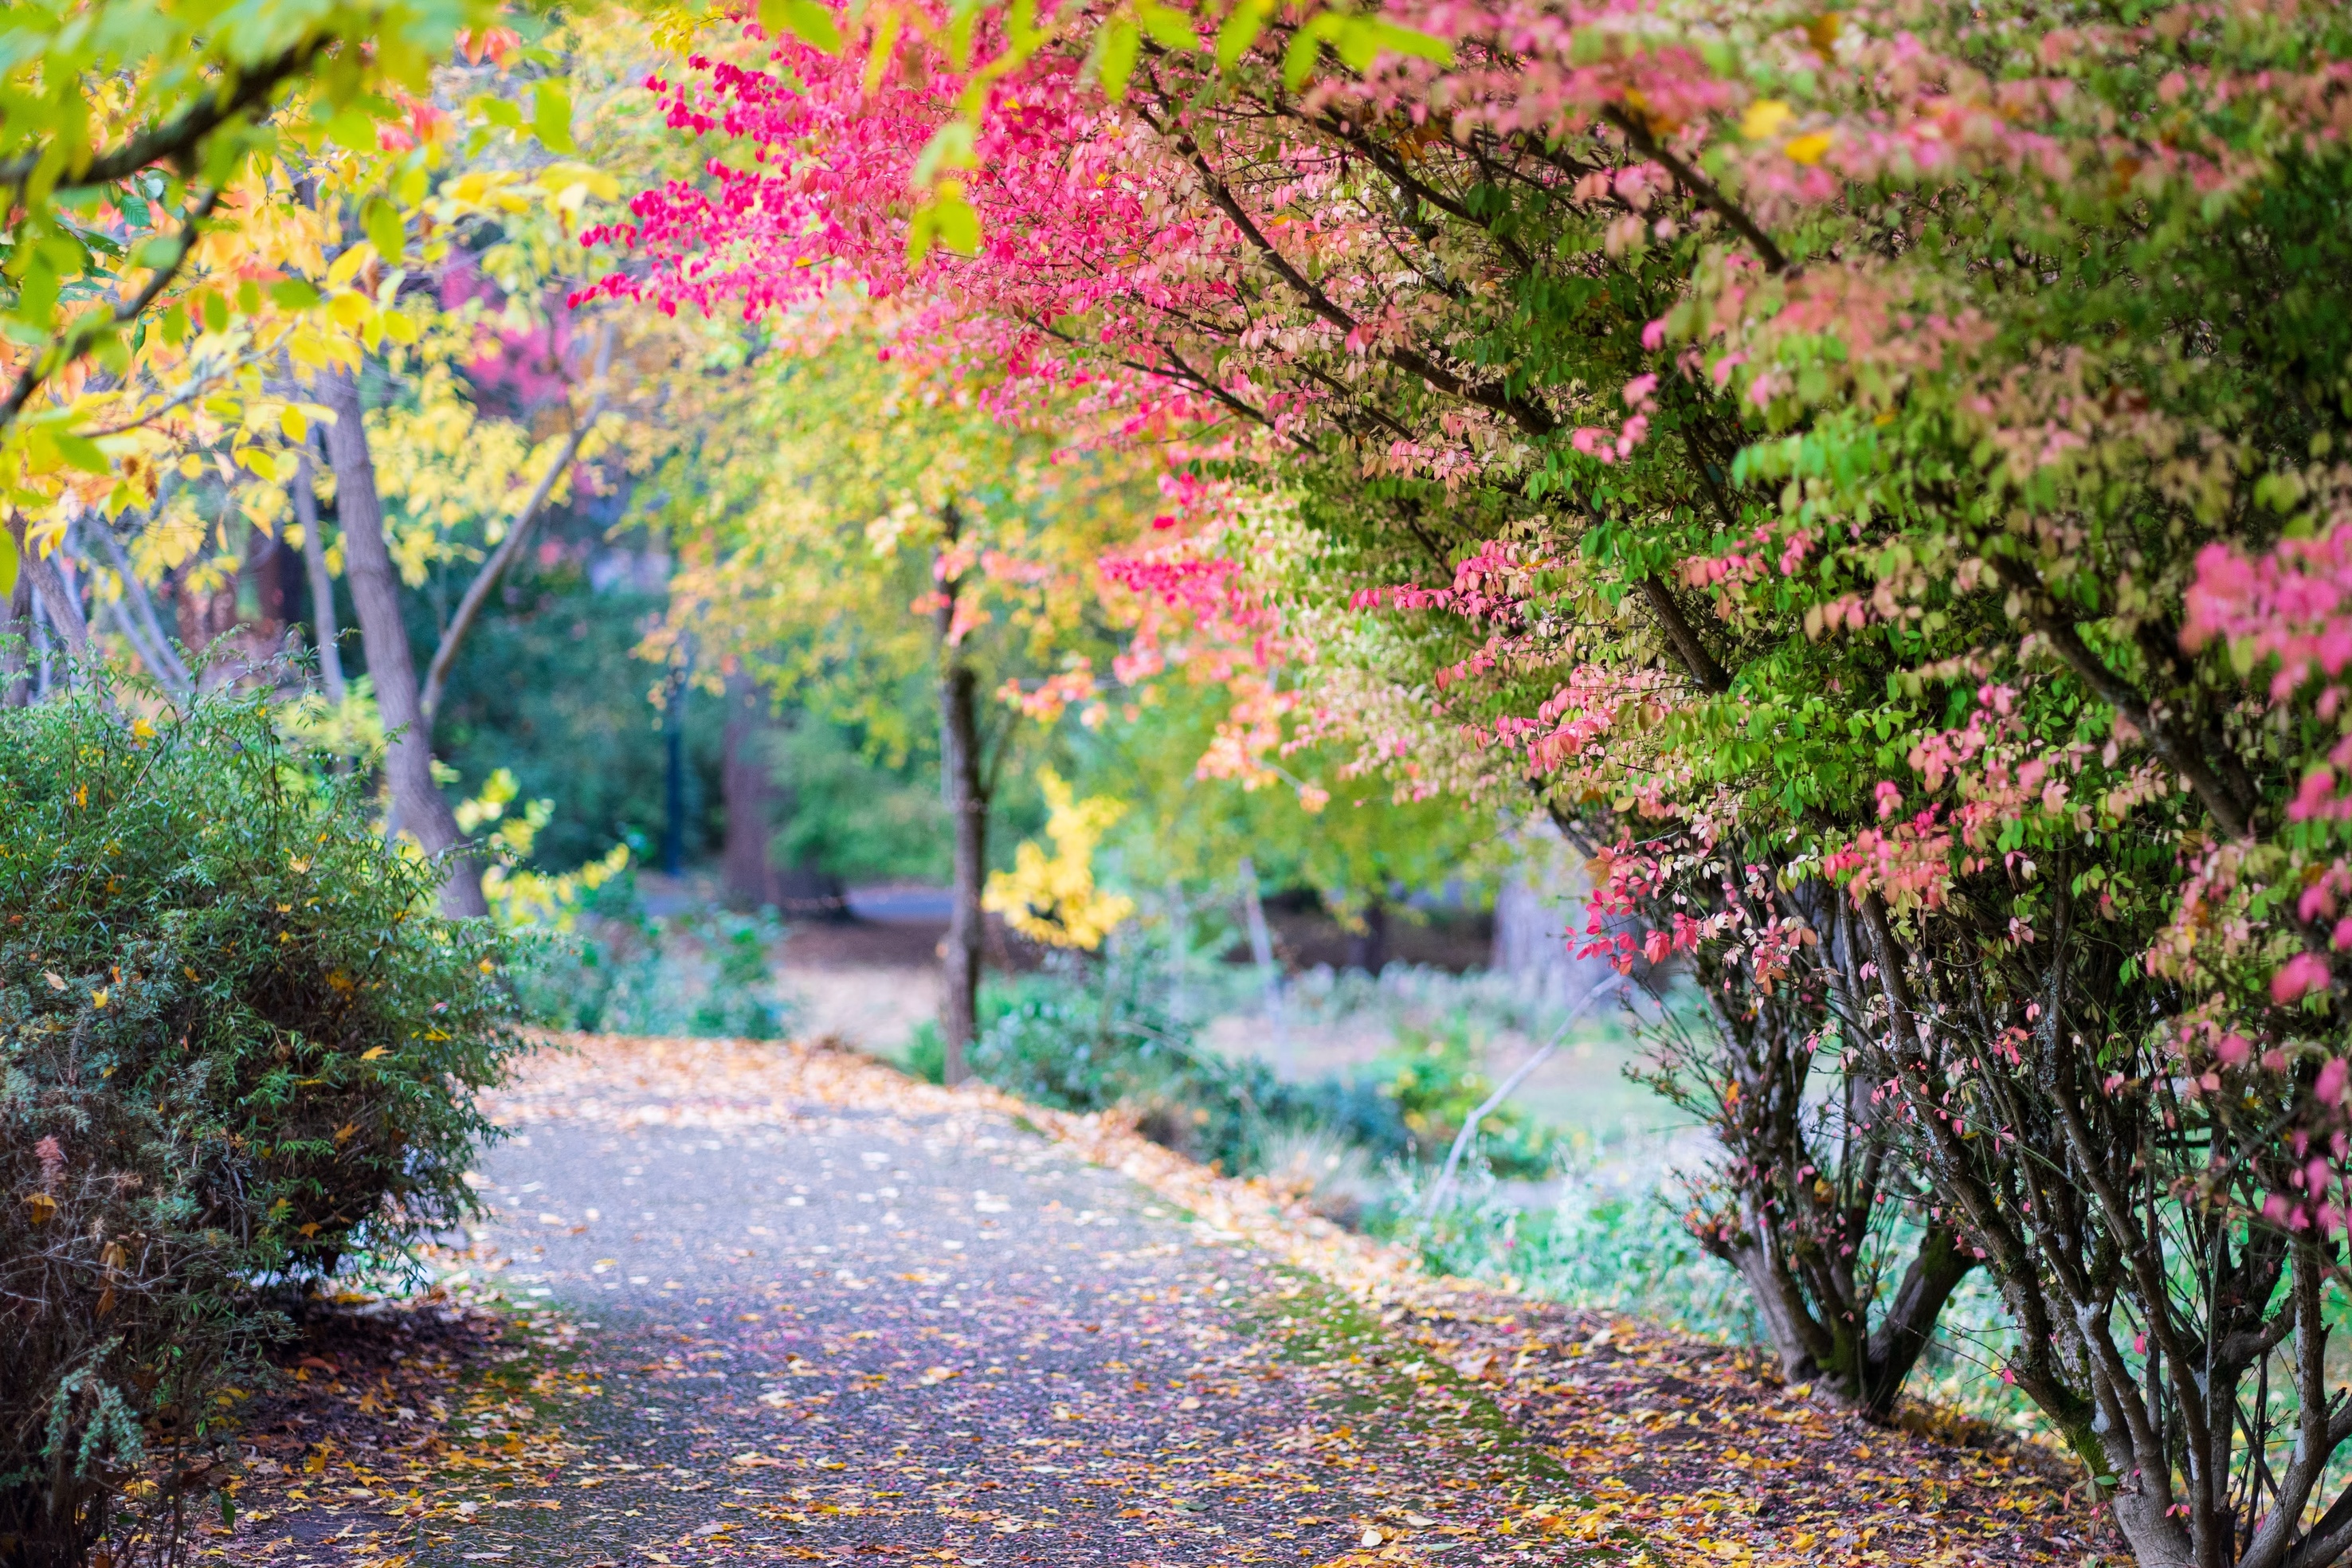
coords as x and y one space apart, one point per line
856 521
1811 451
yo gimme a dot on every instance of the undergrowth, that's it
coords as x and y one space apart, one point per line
620 971
240 1049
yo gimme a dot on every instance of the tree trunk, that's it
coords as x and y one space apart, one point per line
968 805
324 634
417 805
1368 947
1894 1346
679 686
961 995
16 645
749 790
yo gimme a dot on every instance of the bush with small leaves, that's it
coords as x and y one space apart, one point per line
237 1051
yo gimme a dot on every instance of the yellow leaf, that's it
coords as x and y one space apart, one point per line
1764 118
1809 148
344 1133
369 1054
142 730
347 266
317 1463
98 998
42 1207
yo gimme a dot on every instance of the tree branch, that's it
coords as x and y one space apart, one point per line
1530 417
2229 808
1704 191
1701 664
469 608
72 343
173 141
169 668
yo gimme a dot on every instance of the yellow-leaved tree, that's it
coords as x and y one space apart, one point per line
854 523
1052 899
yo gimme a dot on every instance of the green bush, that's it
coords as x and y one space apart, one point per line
1102 1036
707 974
239 1051
1610 1246
1435 1082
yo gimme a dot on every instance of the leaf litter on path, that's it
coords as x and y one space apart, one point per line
791 1306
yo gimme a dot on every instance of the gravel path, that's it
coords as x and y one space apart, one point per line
842 1331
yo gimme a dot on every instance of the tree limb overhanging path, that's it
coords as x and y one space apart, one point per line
818 1313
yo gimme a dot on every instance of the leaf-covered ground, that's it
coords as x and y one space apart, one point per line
754 1303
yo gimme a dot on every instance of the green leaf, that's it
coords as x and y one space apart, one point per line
82 452
293 294
37 293
1357 43
1241 30
806 20
951 146
1121 43
1168 26
959 224
550 116
353 128
8 563
382 221
946 219
1299 59
921 232
1401 40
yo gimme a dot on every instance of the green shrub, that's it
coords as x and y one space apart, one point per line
238 1049
1613 1245
1436 1080
1102 1036
620 972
